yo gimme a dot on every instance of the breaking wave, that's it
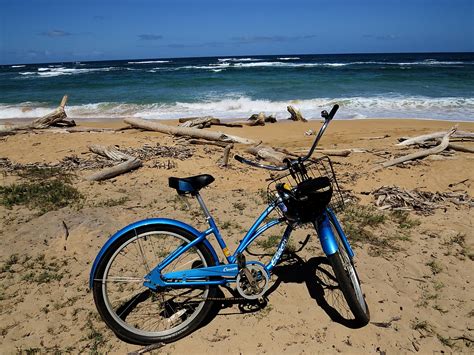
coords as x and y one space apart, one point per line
453 108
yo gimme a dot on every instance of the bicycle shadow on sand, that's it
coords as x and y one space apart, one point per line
316 273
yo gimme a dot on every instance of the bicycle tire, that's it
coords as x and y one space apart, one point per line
348 280
162 306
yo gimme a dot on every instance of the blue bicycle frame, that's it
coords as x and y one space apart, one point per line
225 273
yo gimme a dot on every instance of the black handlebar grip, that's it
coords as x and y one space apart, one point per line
333 111
239 158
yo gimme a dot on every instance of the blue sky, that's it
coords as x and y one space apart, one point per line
34 31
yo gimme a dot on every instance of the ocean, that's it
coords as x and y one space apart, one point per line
418 85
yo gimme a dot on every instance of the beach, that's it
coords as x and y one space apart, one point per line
416 269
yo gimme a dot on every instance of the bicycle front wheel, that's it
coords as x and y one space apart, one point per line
136 313
348 280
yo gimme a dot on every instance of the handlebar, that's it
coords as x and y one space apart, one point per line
258 165
327 118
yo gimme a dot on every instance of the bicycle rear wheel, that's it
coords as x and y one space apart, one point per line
136 313
348 280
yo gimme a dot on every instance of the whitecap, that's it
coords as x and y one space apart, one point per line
238 59
150 62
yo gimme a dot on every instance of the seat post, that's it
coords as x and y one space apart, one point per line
203 205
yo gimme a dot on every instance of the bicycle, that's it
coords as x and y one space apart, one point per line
156 279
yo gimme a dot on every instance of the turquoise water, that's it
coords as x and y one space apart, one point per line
428 85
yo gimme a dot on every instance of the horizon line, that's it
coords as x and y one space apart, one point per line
234 56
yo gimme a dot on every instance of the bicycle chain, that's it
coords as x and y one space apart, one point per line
224 299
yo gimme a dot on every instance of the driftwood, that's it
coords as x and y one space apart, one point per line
332 152
87 130
259 119
201 122
267 153
127 164
295 114
199 142
96 161
432 136
116 170
460 148
422 202
417 155
56 118
186 131
225 157
205 122
451 146
377 137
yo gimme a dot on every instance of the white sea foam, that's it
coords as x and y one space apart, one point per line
351 107
242 107
240 63
17 66
288 58
150 62
239 59
58 71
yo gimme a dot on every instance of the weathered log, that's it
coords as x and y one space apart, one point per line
460 148
270 119
228 124
186 131
127 164
376 137
201 122
267 153
116 170
436 135
87 129
225 157
295 114
198 142
435 150
109 152
214 121
55 118
257 119
333 152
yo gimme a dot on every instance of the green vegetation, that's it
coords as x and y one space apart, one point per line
239 206
40 271
45 189
363 225
421 325
403 219
95 339
12 260
268 243
435 267
460 240
112 202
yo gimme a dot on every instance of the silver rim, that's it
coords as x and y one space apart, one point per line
138 309
349 267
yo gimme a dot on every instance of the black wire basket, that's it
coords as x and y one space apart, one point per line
306 197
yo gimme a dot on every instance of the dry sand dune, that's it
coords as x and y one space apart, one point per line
416 270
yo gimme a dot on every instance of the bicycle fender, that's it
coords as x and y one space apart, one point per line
326 236
143 223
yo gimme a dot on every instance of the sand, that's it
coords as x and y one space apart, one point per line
418 289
